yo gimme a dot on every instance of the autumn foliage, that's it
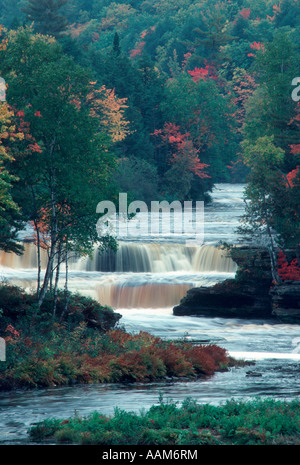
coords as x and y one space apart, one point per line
286 270
255 46
109 109
291 177
183 151
207 72
112 357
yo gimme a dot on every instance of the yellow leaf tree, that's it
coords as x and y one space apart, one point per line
110 110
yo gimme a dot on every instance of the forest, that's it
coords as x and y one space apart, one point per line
160 100
176 97
157 100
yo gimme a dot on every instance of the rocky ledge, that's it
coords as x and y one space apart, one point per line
286 301
251 294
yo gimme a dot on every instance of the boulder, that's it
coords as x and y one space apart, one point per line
228 299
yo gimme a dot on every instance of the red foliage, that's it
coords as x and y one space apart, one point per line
256 46
291 176
182 148
175 361
35 148
140 46
12 331
207 359
276 11
245 13
203 73
186 57
138 50
288 271
295 149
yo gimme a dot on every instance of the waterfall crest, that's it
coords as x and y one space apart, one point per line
136 258
159 258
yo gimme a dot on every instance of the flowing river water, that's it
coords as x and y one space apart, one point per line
144 281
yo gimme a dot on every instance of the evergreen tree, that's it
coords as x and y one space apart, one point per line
213 35
116 45
46 16
10 13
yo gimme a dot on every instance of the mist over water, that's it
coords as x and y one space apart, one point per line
143 282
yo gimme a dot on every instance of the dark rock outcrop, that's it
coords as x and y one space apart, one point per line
246 296
286 301
227 300
251 294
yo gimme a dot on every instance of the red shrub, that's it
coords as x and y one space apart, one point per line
288 271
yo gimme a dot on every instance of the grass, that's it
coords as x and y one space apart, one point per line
256 422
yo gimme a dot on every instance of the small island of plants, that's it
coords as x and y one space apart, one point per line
85 345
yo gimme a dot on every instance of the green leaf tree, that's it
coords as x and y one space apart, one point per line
201 110
67 170
270 110
264 183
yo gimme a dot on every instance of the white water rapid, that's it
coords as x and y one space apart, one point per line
143 282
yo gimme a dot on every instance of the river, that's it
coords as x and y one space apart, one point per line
143 282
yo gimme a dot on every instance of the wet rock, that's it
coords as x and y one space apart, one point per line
246 296
254 374
227 299
286 301
251 294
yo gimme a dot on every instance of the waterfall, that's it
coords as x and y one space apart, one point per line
28 260
138 275
135 257
159 258
144 295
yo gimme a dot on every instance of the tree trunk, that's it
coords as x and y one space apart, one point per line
67 294
55 290
54 230
38 258
272 251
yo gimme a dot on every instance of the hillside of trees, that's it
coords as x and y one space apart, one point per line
185 74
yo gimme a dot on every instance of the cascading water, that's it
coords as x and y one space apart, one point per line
138 275
143 282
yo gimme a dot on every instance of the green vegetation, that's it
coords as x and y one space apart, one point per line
257 422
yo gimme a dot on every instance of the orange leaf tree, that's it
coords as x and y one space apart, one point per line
10 218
